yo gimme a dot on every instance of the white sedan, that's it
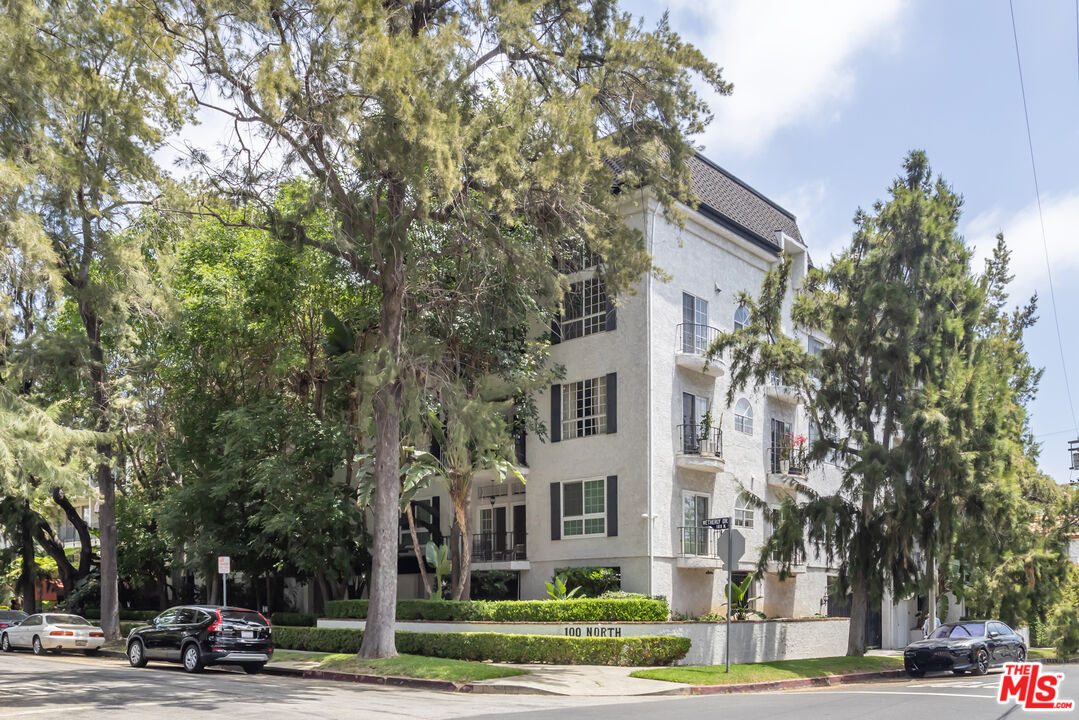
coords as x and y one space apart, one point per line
52 631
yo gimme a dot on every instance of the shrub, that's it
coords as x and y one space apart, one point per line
294 619
129 615
494 584
593 581
1063 630
577 610
497 647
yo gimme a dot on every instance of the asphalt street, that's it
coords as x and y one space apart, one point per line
43 686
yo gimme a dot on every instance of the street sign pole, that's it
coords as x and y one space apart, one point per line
730 557
224 566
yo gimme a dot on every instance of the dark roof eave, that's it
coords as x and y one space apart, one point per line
756 238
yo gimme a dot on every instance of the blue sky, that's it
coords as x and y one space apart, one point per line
830 95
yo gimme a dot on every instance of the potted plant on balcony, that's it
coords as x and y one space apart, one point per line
703 446
792 455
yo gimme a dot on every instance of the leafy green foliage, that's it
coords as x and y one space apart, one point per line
437 557
592 581
497 647
294 619
739 604
557 590
580 610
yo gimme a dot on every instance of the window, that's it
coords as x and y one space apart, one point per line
815 346
584 508
425 514
743 512
743 417
741 317
585 310
584 408
695 535
695 336
575 260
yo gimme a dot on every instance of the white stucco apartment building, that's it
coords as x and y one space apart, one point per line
632 466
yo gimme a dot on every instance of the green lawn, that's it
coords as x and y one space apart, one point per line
765 672
1042 654
417 666
297 656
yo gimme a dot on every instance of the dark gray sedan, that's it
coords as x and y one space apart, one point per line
975 646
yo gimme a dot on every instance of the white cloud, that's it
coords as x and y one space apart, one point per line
790 60
1023 234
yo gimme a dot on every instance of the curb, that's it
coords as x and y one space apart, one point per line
792 684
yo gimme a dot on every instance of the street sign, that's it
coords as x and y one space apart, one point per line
223 562
723 523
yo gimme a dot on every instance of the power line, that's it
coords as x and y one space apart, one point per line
1041 218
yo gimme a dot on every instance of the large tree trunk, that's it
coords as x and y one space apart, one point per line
859 609
86 548
110 585
378 637
463 587
28 578
47 539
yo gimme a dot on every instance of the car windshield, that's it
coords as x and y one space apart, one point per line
252 618
959 630
64 620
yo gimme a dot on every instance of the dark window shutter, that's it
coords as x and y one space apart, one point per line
612 315
556 511
556 413
612 403
612 506
556 329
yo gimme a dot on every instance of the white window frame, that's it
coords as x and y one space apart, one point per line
584 516
592 294
574 426
744 513
739 324
743 423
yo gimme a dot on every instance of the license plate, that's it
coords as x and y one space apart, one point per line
80 642
247 633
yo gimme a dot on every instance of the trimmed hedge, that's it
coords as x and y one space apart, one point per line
125 627
586 610
553 649
294 619
129 615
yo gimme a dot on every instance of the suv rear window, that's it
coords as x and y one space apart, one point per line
251 618
12 614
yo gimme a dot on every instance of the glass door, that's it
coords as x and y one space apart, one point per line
694 324
694 533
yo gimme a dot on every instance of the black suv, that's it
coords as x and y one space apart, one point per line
201 635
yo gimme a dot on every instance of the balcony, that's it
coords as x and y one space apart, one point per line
776 389
786 462
700 448
500 551
692 342
697 548
798 563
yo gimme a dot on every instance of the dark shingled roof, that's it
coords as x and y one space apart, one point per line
730 202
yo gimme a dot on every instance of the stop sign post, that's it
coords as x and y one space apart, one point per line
733 555
224 566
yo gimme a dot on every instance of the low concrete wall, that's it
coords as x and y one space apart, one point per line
761 641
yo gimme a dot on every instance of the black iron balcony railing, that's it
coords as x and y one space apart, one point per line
700 440
788 459
697 542
498 547
694 338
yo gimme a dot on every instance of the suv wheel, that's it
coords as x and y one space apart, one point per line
253 668
192 658
38 649
136 654
5 644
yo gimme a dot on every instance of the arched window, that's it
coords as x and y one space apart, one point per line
743 512
743 417
741 317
